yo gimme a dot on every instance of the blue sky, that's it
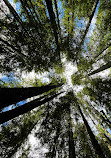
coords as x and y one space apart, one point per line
70 69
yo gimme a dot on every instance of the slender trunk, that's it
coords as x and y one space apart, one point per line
71 145
102 51
14 95
55 3
8 115
30 17
55 141
71 139
104 67
106 118
34 11
20 141
16 16
13 48
53 23
103 135
95 143
88 24
12 10
58 21
102 118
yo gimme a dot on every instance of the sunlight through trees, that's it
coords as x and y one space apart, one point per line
67 111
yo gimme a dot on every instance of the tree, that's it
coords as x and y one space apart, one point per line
38 36
15 95
95 144
83 146
104 67
6 116
13 135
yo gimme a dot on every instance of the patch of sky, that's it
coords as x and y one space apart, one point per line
109 130
80 23
61 10
45 80
10 80
13 106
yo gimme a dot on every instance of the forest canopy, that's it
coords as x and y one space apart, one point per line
68 113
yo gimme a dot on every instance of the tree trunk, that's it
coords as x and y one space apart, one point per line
55 3
14 95
21 139
71 139
89 23
16 16
105 117
11 46
102 117
95 143
34 11
102 51
104 67
71 145
103 135
53 23
8 115
12 10
90 19
30 17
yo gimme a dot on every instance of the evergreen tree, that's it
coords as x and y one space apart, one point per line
38 35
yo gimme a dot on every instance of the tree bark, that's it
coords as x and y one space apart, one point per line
12 10
55 3
104 67
14 95
53 23
72 153
16 16
8 115
103 135
21 139
88 24
95 143
90 19
102 51
34 11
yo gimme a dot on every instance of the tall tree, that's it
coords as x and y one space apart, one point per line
15 95
92 136
35 36
104 67
8 115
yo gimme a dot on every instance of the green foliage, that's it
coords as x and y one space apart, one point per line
77 79
14 134
83 142
36 36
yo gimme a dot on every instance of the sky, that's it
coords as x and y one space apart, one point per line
69 70
69 67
